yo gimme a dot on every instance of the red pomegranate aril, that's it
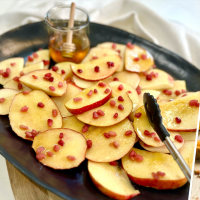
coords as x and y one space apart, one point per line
35 55
56 148
100 112
34 76
132 154
61 142
178 138
79 71
40 104
24 109
71 158
114 45
106 135
89 144
2 100
20 86
113 163
120 107
157 139
120 87
136 59
101 84
85 128
25 92
155 175
143 56
95 91
107 90
194 103
46 62
49 154
5 74
112 133
110 64
34 133
94 57
115 144
138 158
95 115
61 135
128 133
52 88
96 69
60 84
138 115
30 59
55 68
177 92
62 71
50 122
120 98
178 120
112 103
54 112
40 150
48 75
115 116
147 133
77 99
159 173
183 91
148 77
51 79
129 45
21 73
138 90
89 94
129 92
115 79
167 92
28 134
23 127
40 156
16 78
12 64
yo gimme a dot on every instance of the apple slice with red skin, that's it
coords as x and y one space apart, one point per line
110 143
39 56
10 68
89 98
97 69
112 112
33 112
71 91
83 83
181 114
111 180
156 79
32 67
6 97
150 169
60 148
46 80
137 59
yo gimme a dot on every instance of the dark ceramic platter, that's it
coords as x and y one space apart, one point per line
75 184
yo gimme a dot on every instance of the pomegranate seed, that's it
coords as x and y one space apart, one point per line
177 92
12 64
60 84
147 133
113 163
110 64
157 139
128 133
94 57
183 91
138 90
115 144
155 175
20 86
62 71
40 150
61 142
167 92
107 90
89 94
48 75
85 128
52 88
40 104
50 122
118 51
34 133
34 76
5 74
120 98
95 115
120 87
49 154
16 78
148 77
24 109
178 138
55 68
30 59
114 46
95 91
61 135
21 73
120 107
25 92
77 99
194 103
56 148
28 134
106 135
143 56
129 45
23 127
112 103
101 84
71 158
100 112
154 75
178 120
2 100
89 144
138 115
115 79
46 62
112 133
129 92
79 71
161 173
40 156
96 69
138 158
132 154
35 55
115 116
136 59
54 112
51 79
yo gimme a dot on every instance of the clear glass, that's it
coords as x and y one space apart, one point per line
57 19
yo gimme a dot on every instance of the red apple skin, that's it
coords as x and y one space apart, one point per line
182 130
72 83
91 106
159 184
110 193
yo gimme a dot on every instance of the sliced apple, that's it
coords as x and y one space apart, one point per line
10 68
89 98
110 143
137 59
39 56
112 112
111 180
182 113
97 69
83 83
156 170
33 112
46 80
33 67
6 97
64 69
60 148
71 91
156 79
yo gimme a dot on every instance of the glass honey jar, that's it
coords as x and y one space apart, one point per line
57 19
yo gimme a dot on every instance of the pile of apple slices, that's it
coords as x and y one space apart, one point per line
94 111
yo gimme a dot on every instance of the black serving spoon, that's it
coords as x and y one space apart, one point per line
155 119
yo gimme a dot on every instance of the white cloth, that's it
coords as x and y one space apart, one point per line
129 15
